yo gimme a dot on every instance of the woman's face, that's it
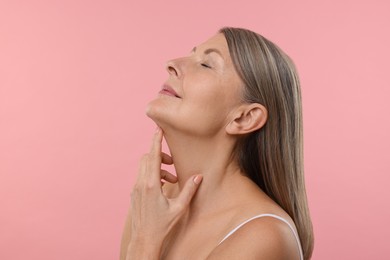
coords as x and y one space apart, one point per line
202 90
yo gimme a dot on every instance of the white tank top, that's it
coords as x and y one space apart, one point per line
268 215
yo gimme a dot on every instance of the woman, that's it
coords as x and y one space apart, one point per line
231 115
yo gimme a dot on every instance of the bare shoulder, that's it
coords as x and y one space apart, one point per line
261 238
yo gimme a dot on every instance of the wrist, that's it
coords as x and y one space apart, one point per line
142 248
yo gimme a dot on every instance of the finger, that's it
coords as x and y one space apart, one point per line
167 176
166 159
154 163
189 190
156 143
142 168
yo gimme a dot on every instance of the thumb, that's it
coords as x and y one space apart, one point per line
189 190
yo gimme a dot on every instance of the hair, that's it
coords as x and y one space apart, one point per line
273 155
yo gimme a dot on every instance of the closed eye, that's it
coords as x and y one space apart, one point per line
205 65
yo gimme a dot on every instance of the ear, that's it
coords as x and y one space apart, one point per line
247 118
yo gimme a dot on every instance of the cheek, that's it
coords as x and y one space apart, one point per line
207 111
212 99
203 111
203 90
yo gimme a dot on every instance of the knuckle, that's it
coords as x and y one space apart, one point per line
135 189
150 186
178 207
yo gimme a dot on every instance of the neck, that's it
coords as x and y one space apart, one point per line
213 158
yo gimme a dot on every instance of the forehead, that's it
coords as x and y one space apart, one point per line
218 41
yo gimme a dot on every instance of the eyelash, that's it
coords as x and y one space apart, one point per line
205 65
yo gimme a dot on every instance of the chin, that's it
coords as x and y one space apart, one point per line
149 111
167 116
158 112
152 111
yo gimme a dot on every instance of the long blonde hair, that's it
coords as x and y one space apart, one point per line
273 156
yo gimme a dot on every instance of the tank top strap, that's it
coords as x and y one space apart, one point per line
267 215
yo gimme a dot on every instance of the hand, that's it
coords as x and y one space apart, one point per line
153 215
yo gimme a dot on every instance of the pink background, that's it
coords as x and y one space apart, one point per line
75 77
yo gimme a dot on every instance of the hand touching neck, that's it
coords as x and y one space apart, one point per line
210 156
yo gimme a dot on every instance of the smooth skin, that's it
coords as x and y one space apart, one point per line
187 216
154 214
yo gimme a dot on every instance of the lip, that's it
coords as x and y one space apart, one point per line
168 90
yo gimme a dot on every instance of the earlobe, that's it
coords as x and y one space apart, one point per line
247 118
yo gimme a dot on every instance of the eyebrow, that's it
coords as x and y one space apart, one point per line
209 51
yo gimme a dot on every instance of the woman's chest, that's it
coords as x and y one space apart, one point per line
193 243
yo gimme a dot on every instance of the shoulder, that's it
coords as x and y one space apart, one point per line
261 238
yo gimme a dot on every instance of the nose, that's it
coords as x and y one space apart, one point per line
173 68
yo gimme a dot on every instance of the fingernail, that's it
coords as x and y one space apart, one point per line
198 179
